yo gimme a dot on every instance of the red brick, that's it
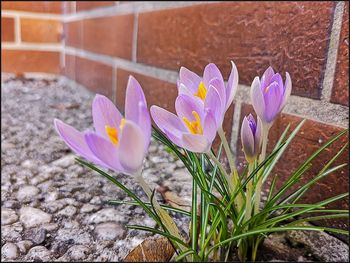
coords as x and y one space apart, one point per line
157 92
33 6
68 7
290 36
340 92
73 33
40 30
160 93
87 5
108 35
69 67
311 136
7 29
19 61
94 75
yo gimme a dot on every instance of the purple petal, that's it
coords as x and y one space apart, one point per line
175 137
258 136
145 123
213 105
104 113
273 99
210 127
75 140
266 78
131 148
195 143
211 71
220 88
182 89
190 79
257 98
166 120
247 139
185 105
287 90
232 84
134 95
104 150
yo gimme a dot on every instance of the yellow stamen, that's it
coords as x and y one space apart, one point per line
122 123
112 134
202 91
194 127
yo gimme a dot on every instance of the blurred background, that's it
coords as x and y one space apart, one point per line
98 44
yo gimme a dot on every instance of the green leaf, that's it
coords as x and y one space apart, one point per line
168 208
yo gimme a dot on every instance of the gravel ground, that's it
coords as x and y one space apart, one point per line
53 209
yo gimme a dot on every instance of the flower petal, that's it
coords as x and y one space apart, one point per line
232 84
273 99
145 123
75 140
287 90
220 88
257 98
134 95
190 79
210 127
104 112
166 120
185 105
247 140
258 136
211 71
266 78
195 143
213 105
104 150
131 148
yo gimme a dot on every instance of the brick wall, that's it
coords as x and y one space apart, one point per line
103 42
31 34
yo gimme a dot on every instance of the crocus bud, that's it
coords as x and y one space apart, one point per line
269 95
251 136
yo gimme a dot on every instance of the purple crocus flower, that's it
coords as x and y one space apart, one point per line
269 96
117 143
193 85
194 127
251 136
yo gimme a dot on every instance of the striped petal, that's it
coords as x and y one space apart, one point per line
104 113
75 140
195 143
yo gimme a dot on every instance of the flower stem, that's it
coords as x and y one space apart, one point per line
232 181
164 216
265 131
249 194
227 149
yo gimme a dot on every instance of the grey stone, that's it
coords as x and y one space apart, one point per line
105 215
322 246
9 251
65 161
68 211
24 246
77 252
37 235
39 253
87 208
27 193
31 217
109 231
8 216
12 233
